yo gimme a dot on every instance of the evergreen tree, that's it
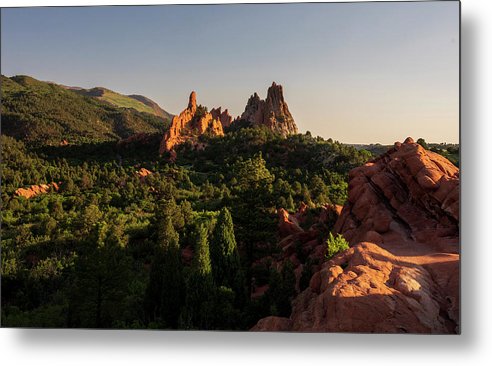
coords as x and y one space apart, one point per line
281 290
202 265
422 143
101 278
226 263
223 250
165 292
199 310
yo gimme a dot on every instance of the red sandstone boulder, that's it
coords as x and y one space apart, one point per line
273 323
142 173
288 224
36 190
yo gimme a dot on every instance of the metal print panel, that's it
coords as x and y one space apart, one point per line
264 167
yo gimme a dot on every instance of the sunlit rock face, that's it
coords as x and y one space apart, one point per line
272 112
187 126
36 190
401 274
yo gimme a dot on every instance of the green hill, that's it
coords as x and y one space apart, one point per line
137 102
45 114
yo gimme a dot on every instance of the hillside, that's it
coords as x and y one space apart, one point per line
137 102
45 113
157 110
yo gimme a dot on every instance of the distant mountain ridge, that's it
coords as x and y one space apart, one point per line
46 113
138 102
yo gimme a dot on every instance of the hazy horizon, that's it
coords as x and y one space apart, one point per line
356 72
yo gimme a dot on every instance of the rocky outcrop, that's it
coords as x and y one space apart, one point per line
300 242
36 190
223 117
408 193
272 112
401 273
142 174
138 138
367 289
188 125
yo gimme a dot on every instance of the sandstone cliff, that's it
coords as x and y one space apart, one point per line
401 273
272 112
188 125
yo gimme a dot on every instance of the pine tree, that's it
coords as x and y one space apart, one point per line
100 283
202 265
223 250
226 264
165 292
198 312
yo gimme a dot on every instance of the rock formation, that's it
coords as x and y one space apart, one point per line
224 117
299 245
272 112
401 273
142 173
409 191
36 190
190 124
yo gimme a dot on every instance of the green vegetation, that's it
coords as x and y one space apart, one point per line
335 244
422 143
45 114
124 101
136 102
177 249
108 249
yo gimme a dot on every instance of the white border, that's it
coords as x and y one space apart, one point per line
84 347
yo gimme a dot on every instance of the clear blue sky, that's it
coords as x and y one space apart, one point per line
359 73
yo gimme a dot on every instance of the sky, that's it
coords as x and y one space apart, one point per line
355 72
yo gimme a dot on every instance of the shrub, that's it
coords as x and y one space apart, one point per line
335 244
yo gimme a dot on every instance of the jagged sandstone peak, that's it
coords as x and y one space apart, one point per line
272 112
401 273
187 125
224 117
